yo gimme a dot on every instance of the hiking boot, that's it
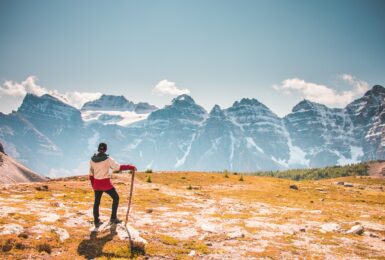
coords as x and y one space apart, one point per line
98 224
115 221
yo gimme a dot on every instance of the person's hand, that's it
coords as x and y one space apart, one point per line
127 167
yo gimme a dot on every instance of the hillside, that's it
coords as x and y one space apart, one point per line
12 171
199 215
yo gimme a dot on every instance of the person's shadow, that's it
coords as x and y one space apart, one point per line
93 247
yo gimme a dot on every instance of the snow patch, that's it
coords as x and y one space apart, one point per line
124 118
92 141
280 162
297 155
11 229
251 143
49 217
232 149
182 160
330 227
355 153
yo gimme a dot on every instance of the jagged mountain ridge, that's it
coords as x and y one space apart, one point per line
118 103
247 136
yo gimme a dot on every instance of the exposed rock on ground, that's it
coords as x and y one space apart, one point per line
225 219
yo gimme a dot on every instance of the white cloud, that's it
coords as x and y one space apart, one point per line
29 85
165 87
323 94
77 99
14 89
360 86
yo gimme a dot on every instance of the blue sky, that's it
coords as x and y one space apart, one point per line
218 51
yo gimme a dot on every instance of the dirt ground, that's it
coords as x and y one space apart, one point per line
194 215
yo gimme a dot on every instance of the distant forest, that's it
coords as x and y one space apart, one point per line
359 169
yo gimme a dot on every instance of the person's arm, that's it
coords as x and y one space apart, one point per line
91 175
128 167
114 165
123 167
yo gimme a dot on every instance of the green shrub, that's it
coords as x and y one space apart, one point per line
45 247
360 169
148 179
148 171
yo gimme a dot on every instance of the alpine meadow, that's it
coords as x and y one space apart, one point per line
220 129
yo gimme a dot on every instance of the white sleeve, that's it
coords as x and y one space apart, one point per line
114 165
91 172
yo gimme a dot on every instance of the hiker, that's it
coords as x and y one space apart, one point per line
100 175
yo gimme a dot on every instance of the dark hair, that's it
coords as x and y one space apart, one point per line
102 147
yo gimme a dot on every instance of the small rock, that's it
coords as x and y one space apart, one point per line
209 244
61 232
322 199
357 229
55 204
348 184
192 253
149 210
156 189
340 183
42 188
23 235
302 229
311 201
294 187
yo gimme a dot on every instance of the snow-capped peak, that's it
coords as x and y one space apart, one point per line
216 111
183 98
306 105
110 103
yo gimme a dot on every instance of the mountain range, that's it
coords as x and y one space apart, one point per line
56 139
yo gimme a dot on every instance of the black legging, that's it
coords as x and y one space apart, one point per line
98 195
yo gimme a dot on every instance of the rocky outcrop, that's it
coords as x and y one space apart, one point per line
2 149
13 172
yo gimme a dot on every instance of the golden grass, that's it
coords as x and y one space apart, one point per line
337 203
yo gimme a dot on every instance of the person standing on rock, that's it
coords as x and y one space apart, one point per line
100 177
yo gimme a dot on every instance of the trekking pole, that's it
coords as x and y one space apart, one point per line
130 198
